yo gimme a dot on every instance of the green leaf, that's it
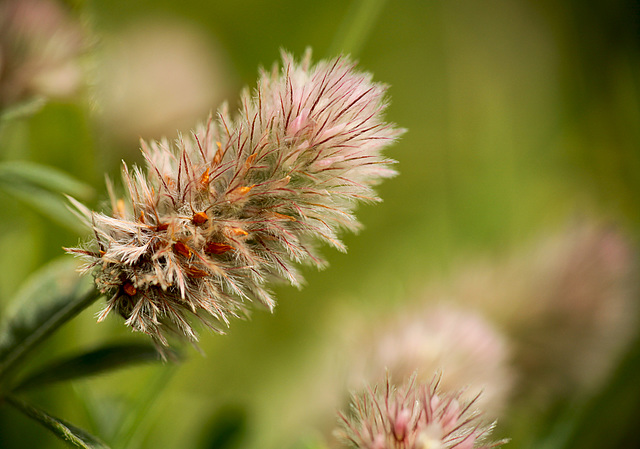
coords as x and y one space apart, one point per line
42 188
44 177
48 204
91 363
67 432
23 109
50 297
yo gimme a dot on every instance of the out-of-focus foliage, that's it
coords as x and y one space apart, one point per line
90 363
65 431
46 301
42 188
521 116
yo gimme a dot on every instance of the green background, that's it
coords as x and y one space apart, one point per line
521 115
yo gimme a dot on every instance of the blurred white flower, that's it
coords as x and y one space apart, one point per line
158 76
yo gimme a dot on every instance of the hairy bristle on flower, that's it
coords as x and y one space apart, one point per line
242 200
415 416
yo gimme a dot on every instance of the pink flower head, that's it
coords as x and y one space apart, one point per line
218 214
470 352
413 417
40 43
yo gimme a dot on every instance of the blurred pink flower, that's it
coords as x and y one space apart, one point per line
586 309
569 305
39 48
471 354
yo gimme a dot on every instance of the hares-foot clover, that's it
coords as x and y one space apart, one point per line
219 213
415 416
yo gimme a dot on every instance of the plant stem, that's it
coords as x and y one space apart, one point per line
48 327
67 432
356 27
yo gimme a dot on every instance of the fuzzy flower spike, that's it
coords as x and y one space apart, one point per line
414 417
218 214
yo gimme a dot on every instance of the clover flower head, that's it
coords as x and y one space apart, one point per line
415 416
40 45
460 343
243 199
587 315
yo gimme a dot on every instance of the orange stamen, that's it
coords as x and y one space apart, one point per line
129 289
199 218
182 249
217 248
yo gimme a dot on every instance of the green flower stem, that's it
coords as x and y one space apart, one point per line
138 418
356 27
67 432
48 327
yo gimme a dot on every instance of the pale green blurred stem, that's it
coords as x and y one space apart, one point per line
54 322
133 426
356 27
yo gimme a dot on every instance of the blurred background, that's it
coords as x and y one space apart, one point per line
504 254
